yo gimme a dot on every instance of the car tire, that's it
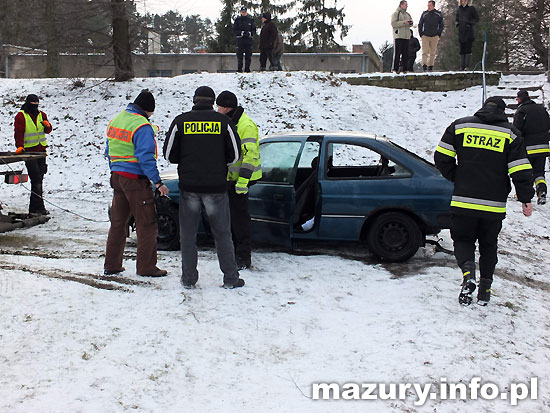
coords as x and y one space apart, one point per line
168 238
394 237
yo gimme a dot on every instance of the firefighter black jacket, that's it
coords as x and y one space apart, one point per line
533 122
479 154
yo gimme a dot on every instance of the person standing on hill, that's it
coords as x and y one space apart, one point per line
466 18
430 28
132 153
268 37
244 29
30 128
480 154
533 122
414 47
401 23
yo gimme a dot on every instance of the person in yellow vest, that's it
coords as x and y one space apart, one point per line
31 126
241 175
132 153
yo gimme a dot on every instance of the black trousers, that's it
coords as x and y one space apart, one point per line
538 163
246 50
264 55
240 224
36 169
400 54
466 47
465 231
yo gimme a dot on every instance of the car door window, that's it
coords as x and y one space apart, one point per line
278 161
351 161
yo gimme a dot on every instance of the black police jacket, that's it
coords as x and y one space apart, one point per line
202 142
244 28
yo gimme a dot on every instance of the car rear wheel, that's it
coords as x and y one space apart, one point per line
394 236
168 225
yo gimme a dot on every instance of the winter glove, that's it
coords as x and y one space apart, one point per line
20 150
248 34
46 124
242 34
241 187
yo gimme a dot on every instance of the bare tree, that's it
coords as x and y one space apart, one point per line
124 69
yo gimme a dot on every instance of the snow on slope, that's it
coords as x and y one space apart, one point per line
142 345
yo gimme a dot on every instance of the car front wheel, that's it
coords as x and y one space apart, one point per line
168 225
394 236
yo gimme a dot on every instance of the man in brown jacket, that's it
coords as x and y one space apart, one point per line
268 37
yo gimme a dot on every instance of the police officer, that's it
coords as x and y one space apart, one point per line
203 142
132 153
243 29
533 122
241 175
489 151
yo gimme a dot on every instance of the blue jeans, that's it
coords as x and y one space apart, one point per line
217 210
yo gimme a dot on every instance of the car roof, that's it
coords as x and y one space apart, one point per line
327 134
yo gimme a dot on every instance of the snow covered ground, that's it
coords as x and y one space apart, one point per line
74 340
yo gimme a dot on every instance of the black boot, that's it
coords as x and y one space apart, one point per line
484 291
468 283
462 62
541 193
467 61
424 68
430 68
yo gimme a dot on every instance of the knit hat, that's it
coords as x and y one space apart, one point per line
204 93
145 101
227 99
266 15
243 8
523 94
498 102
32 98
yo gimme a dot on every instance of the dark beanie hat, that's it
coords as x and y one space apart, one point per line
32 98
498 102
523 94
145 101
266 15
227 99
204 93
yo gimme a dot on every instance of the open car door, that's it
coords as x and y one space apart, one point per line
272 198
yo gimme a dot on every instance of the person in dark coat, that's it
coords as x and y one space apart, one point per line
244 29
533 122
480 154
466 18
414 47
268 37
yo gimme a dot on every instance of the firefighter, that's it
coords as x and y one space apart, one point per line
241 175
132 152
479 154
533 122
31 126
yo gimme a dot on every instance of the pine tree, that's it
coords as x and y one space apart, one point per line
317 24
225 40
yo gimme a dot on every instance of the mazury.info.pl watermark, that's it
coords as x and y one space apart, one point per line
443 390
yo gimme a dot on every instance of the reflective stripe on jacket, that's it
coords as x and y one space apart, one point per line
120 134
480 154
249 165
34 133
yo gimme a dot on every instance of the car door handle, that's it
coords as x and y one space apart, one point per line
278 197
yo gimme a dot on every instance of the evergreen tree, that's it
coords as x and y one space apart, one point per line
224 40
317 23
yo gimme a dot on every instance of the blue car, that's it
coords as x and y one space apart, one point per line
336 187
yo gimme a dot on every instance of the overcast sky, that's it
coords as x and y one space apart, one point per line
370 19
